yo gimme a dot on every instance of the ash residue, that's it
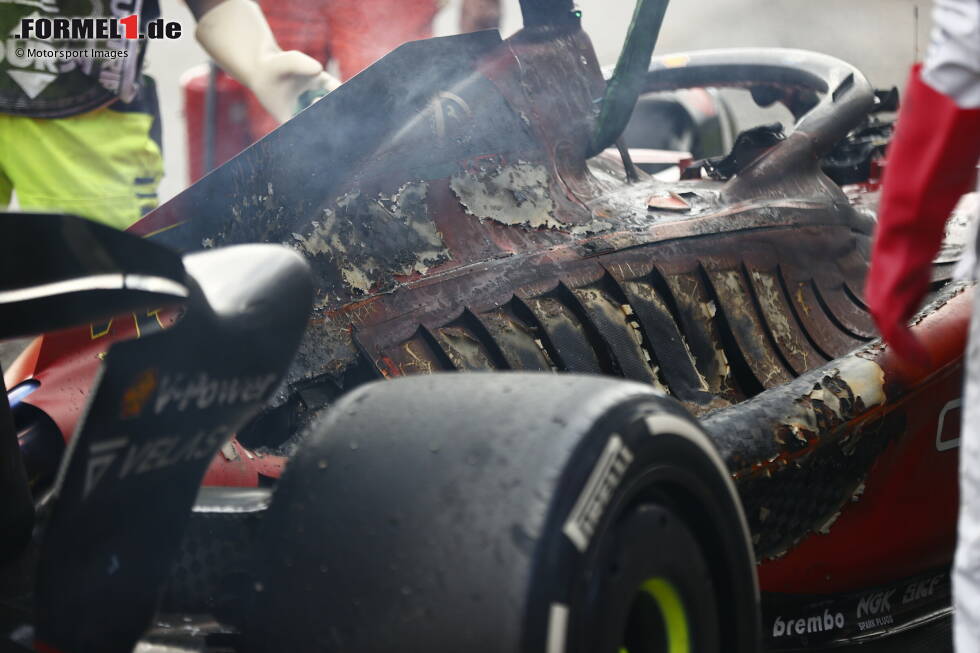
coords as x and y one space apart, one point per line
372 240
515 194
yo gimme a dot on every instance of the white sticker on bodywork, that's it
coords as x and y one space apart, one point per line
946 443
602 483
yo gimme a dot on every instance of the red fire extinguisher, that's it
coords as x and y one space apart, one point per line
216 111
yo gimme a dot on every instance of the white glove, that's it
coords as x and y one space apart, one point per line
237 36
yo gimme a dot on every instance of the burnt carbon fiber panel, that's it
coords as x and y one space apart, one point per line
838 301
788 334
622 336
463 347
710 330
564 335
677 366
854 267
793 496
697 312
417 355
827 333
743 320
518 342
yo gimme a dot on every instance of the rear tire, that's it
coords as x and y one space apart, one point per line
655 591
505 512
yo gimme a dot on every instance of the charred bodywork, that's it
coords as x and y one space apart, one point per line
455 221
460 226
494 243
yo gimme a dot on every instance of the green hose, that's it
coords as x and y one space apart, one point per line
623 89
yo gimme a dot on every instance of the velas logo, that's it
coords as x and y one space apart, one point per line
100 29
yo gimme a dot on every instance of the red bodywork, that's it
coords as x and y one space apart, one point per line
905 520
66 363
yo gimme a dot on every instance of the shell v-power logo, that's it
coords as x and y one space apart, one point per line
99 29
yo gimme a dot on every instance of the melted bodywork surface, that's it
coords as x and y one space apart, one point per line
454 223
801 452
343 234
795 452
468 190
513 195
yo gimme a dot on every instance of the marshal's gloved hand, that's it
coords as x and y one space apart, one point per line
931 163
236 35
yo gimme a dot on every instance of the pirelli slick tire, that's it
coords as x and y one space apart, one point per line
501 513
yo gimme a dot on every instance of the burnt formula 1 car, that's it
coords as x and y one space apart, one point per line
468 204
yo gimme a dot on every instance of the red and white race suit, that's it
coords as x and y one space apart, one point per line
952 67
932 162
